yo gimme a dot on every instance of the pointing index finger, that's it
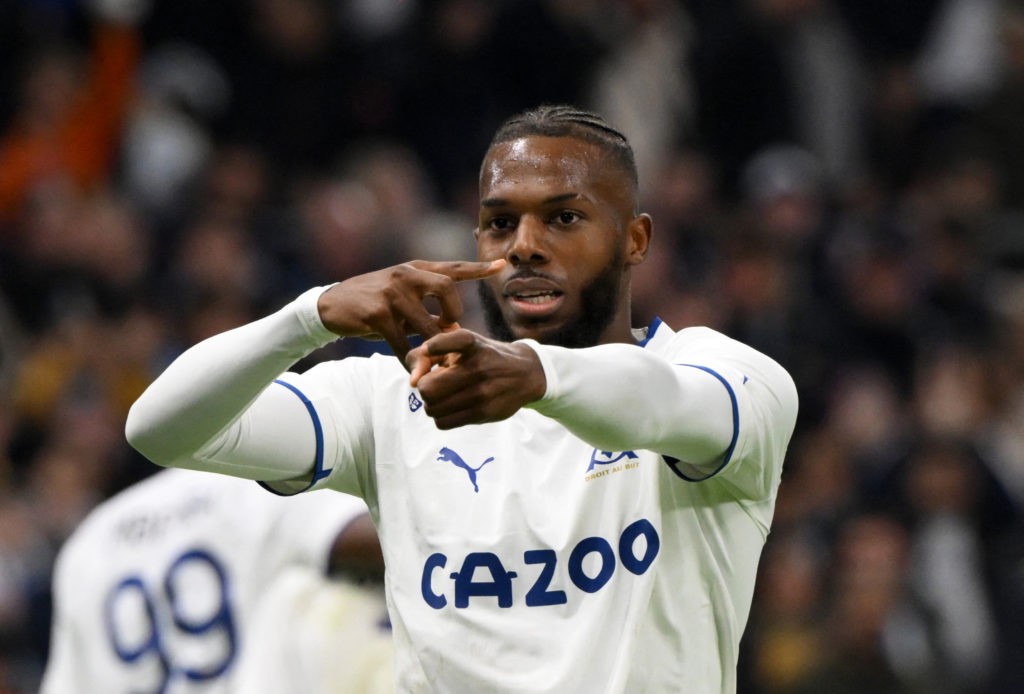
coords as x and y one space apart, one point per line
461 270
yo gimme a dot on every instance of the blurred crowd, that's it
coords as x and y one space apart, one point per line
839 183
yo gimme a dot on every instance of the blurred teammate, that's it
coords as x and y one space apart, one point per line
311 636
569 506
156 589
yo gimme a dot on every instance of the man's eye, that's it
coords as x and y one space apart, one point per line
500 224
567 217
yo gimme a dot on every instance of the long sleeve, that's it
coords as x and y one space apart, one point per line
217 408
683 412
701 401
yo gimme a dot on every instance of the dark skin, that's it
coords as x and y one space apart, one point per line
356 551
554 212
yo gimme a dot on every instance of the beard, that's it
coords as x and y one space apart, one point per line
598 302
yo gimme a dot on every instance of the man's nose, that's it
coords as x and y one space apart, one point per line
528 242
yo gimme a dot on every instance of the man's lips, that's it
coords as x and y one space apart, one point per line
533 296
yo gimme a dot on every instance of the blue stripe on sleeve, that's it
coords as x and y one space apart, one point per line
673 463
318 467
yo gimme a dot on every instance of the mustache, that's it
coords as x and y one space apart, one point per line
529 273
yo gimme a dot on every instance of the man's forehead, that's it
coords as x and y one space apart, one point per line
562 158
534 147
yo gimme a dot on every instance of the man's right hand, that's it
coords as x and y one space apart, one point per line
389 303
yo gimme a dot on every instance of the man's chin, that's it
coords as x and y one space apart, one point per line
505 330
572 334
535 331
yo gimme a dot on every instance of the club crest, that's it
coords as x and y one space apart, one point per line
608 458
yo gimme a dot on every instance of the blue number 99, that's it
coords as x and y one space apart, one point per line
141 622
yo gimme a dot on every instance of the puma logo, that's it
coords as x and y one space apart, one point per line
447 454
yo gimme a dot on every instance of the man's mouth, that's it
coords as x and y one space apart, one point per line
533 296
535 305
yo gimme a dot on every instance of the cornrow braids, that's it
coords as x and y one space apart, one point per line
562 120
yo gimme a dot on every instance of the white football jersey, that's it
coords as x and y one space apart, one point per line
519 554
154 590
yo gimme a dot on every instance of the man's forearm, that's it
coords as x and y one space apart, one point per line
619 397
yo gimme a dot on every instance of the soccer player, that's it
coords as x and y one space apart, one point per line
569 505
311 636
155 590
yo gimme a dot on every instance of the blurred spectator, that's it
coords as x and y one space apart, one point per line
643 81
534 51
80 254
951 396
787 642
774 283
36 273
877 292
67 124
65 361
996 117
340 219
958 62
877 634
302 88
235 184
743 99
960 517
823 489
407 219
218 258
945 487
685 198
168 141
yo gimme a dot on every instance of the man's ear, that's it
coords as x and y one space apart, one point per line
638 238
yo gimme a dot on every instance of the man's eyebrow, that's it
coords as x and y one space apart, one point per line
501 202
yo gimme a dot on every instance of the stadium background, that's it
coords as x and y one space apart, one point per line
838 182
